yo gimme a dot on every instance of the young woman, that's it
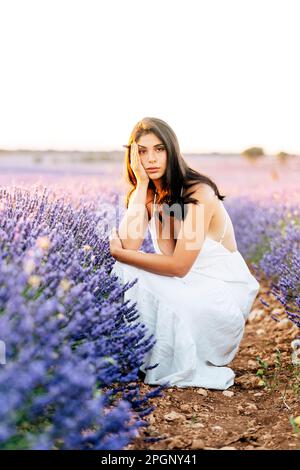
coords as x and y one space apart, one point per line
196 291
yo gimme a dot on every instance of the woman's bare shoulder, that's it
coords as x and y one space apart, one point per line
201 190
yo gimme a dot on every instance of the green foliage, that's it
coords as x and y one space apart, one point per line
253 152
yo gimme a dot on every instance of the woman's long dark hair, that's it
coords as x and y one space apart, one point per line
178 174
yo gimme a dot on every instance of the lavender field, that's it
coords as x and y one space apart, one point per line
70 348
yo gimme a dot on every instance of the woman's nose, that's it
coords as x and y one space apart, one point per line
152 157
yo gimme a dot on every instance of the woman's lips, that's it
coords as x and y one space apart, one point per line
153 170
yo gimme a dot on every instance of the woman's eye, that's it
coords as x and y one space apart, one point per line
141 152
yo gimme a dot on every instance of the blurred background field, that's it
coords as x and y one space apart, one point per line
265 177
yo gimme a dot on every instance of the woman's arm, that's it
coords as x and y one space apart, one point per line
189 242
152 262
134 224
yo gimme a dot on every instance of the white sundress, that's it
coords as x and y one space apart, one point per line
197 320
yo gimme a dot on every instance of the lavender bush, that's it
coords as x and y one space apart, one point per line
255 224
268 235
282 265
73 347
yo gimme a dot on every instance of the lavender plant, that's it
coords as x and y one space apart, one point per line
282 264
268 234
73 347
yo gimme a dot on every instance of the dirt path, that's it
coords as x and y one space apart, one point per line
250 416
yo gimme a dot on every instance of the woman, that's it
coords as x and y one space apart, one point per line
195 292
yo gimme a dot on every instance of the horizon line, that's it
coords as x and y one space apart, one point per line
206 152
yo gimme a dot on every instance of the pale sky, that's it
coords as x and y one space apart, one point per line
79 74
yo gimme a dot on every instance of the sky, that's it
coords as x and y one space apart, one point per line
79 74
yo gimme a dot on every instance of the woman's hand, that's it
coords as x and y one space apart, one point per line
115 243
136 165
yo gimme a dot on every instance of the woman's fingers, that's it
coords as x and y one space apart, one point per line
134 154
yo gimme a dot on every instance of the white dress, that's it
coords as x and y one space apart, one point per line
197 320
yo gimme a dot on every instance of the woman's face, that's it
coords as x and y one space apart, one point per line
152 153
